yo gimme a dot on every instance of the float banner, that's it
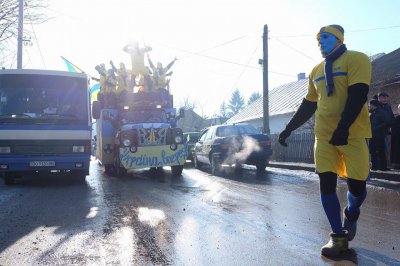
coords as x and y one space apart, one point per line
153 156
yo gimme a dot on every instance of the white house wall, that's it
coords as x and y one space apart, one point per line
277 123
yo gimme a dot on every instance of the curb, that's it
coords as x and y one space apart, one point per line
391 175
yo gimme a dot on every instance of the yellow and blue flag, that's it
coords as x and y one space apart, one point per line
71 67
94 90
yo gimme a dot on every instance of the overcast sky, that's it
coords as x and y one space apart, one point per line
217 42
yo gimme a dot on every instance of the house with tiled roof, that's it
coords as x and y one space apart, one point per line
283 102
386 77
192 121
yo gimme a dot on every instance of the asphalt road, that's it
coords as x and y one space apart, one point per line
241 218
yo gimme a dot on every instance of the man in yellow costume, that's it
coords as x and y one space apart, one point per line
337 94
160 73
101 69
139 70
122 77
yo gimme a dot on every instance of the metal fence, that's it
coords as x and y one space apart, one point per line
300 148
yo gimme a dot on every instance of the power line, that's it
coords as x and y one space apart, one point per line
220 45
373 29
243 71
244 68
65 14
312 35
222 60
37 41
294 49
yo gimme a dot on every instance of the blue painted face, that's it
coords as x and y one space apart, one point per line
327 42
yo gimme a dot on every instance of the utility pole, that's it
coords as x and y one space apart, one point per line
265 82
20 32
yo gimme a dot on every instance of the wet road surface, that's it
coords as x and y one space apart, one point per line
198 219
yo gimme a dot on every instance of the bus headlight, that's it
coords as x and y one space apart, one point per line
78 148
5 149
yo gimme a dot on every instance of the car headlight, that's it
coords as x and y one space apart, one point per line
78 148
5 149
126 142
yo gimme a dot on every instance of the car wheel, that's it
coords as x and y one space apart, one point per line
196 162
238 167
261 166
215 166
176 170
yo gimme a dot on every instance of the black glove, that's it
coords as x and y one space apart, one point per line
283 136
305 112
339 136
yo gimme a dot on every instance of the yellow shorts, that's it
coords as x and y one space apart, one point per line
351 160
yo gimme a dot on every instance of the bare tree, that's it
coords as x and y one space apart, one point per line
34 13
224 113
188 104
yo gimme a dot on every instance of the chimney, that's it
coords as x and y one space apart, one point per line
301 76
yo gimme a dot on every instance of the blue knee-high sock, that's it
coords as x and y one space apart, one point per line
354 204
331 205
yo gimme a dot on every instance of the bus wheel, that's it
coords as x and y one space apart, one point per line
80 177
9 180
120 171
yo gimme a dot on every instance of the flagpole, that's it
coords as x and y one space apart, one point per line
69 62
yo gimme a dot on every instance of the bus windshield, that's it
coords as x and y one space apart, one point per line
144 116
32 99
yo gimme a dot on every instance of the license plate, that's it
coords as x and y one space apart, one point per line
42 163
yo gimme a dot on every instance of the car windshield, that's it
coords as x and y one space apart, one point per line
235 130
144 116
192 137
32 99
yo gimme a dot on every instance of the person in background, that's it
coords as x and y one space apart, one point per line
337 94
395 141
383 99
379 121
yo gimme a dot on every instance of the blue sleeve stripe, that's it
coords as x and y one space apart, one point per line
334 74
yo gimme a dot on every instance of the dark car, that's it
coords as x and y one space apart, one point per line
191 138
232 145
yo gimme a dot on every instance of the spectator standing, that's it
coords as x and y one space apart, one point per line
379 120
395 141
383 99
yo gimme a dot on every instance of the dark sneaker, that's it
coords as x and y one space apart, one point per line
350 225
337 244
